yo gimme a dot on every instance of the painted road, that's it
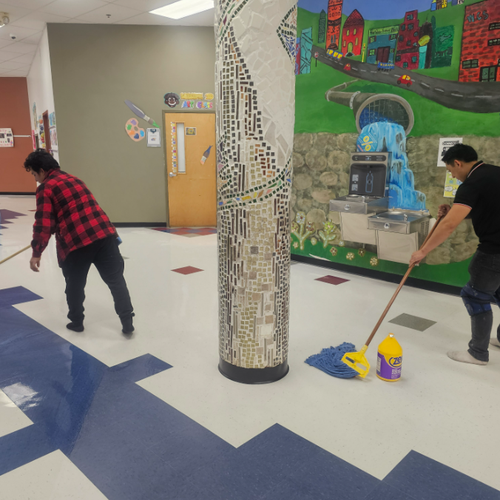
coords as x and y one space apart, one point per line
478 97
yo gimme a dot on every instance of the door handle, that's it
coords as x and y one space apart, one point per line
171 174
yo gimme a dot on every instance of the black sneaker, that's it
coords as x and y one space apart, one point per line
76 327
127 325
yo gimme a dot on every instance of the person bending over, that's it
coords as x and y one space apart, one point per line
476 197
84 236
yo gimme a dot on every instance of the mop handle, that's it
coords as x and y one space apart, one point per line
384 314
14 254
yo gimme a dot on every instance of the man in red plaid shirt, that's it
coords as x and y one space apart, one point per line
84 236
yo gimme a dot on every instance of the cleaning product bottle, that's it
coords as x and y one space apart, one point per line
389 359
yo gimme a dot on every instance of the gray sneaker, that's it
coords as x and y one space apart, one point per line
494 341
465 357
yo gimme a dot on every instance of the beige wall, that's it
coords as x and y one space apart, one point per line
94 69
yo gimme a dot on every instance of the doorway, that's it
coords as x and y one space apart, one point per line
46 130
191 169
383 54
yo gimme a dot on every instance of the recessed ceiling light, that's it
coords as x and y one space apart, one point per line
183 8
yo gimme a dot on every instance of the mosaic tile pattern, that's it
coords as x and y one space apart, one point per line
255 116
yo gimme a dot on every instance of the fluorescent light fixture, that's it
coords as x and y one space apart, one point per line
183 8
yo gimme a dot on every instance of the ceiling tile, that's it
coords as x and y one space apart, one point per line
6 55
24 59
117 13
17 73
5 43
38 19
72 8
29 4
19 32
14 11
12 65
34 39
22 48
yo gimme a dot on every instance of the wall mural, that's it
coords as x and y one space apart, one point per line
377 85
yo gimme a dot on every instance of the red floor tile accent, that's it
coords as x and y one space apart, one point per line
332 280
187 270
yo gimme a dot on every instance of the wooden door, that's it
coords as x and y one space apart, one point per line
191 184
383 54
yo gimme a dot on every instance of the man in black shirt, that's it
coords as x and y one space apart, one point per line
476 197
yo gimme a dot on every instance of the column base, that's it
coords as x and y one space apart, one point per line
253 375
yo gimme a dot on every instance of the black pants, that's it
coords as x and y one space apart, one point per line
106 257
484 271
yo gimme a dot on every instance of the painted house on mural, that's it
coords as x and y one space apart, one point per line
442 48
322 27
333 24
382 44
407 54
425 43
481 43
352 33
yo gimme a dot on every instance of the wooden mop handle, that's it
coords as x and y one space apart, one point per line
384 314
14 254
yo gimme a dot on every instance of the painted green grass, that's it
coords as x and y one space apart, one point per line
315 114
454 274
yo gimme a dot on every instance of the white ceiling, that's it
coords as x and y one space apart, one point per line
29 17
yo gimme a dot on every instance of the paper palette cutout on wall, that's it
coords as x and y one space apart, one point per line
134 131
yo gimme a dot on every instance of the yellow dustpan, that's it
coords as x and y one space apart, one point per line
357 360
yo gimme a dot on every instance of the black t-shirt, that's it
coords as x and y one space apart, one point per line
481 191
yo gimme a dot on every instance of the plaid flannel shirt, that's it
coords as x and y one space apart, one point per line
66 207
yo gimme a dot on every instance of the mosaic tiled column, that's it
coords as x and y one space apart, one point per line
255 67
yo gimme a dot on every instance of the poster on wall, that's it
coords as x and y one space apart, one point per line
450 186
6 138
52 119
154 138
53 138
446 143
34 116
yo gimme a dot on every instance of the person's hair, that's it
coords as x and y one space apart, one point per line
460 152
40 160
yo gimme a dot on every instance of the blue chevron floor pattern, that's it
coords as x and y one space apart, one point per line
132 445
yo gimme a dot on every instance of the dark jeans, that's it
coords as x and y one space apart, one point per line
106 257
484 271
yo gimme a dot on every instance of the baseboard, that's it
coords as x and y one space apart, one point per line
139 224
8 193
379 275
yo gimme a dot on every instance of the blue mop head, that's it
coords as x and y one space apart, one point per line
330 361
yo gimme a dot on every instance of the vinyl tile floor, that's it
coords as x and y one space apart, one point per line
97 415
